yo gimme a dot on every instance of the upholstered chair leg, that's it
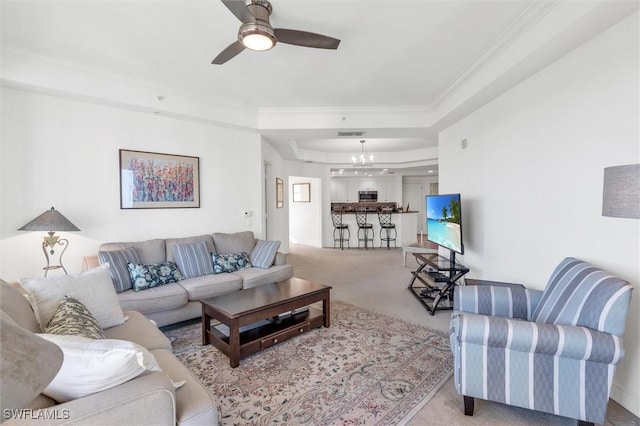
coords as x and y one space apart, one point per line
468 405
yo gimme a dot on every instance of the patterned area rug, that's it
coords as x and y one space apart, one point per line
367 368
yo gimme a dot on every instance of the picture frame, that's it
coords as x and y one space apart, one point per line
279 193
301 192
151 180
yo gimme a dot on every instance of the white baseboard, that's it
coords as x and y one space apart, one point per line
629 401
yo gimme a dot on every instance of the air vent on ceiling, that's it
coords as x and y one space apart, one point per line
352 133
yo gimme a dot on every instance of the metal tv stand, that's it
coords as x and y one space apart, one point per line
435 279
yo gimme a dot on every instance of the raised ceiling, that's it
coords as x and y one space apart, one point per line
403 71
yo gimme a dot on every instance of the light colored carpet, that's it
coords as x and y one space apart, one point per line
367 368
376 279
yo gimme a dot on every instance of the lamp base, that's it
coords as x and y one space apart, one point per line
47 243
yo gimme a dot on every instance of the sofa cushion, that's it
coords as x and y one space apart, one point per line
73 318
264 253
149 251
94 365
172 242
117 261
139 329
153 275
211 285
156 299
194 405
236 242
230 262
193 259
257 276
93 288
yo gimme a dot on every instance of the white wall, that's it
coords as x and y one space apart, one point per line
531 177
305 219
64 153
278 218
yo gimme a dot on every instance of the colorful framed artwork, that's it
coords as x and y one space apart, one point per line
301 192
279 193
150 180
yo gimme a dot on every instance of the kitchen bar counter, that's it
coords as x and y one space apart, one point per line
369 206
373 213
406 227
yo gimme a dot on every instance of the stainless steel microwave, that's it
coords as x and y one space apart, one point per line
367 196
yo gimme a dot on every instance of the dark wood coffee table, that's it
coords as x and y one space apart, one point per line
249 317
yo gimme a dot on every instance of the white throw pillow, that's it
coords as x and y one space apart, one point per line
94 289
94 365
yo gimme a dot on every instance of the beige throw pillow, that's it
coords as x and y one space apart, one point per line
94 289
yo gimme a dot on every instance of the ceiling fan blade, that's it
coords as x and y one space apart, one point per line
306 39
240 10
229 53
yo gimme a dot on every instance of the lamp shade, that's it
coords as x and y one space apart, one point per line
621 191
50 220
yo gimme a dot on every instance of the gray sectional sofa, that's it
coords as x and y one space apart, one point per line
149 399
175 302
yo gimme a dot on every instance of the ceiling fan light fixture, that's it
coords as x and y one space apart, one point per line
257 36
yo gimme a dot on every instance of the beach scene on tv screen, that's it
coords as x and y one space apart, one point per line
443 221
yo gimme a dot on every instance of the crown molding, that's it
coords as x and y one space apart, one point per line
535 12
55 78
543 34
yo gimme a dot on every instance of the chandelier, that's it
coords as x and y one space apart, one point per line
362 161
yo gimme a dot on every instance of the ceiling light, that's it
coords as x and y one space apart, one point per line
257 36
362 160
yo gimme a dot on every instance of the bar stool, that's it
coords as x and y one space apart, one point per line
338 229
385 225
364 228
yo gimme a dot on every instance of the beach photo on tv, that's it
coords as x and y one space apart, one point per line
443 221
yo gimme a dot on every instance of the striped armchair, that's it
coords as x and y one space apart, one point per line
554 350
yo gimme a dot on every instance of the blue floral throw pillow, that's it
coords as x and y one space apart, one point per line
230 262
153 275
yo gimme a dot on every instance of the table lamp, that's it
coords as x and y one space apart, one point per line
51 221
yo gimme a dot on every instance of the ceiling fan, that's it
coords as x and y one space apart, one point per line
256 33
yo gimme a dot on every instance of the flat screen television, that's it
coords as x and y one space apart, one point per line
444 222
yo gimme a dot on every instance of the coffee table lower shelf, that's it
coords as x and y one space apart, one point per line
254 319
264 334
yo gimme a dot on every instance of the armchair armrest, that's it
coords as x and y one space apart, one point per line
145 400
509 302
565 341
